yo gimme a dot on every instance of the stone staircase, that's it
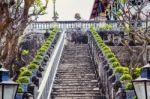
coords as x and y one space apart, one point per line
76 78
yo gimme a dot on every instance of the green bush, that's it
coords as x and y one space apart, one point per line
129 86
125 77
112 60
38 57
135 97
23 69
25 52
42 49
23 79
126 70
110 55
136 72
25 73
20 90
106 27
119 69
115 64
35 62
32 66
106 48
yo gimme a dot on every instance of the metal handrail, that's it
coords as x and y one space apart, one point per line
45 88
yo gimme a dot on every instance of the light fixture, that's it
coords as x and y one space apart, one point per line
8 89
142 84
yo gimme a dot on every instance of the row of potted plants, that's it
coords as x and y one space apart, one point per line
28 74
121 72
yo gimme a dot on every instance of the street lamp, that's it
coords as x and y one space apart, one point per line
142 84
8 89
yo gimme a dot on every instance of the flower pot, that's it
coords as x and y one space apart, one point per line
130 94
118 75
34 72
24 86
18 95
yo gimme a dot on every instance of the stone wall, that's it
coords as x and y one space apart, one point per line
124 55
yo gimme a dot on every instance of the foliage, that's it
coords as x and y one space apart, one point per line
25 52
135 97
136 72
129 86
32 66
23 79
16 16
110 55
112 60
119 13
119 69
23 69
125 77
106 50
25 73
106 27
38 57
20 90
115 64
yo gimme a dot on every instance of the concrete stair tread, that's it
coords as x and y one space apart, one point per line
79 97
76 93
70 90
75 87
76 81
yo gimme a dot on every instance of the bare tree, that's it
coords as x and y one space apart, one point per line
131 16
15 15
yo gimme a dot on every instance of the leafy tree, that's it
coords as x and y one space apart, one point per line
15 15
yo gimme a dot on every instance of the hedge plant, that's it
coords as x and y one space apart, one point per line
20 90
129 86
106 49
23 79
126 77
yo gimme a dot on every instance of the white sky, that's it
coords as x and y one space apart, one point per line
67 9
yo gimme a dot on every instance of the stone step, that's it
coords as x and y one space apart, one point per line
76 76
76 89
76 71
75 84
76 93
80 97
76 81
77 68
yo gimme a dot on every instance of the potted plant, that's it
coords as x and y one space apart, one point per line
23 81
33 67
125 78
118 72
19 93
129 91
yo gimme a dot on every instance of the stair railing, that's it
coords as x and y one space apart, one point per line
45 88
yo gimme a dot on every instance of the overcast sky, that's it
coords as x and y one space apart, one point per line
67 9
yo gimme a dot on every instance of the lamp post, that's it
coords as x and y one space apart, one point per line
142 84
8 88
